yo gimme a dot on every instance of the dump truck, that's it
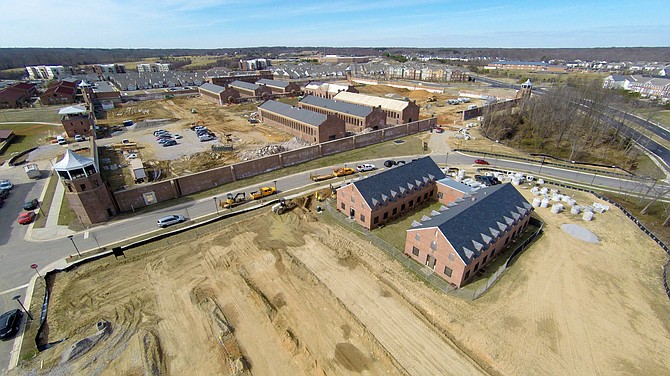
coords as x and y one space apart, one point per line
263 192
232 201
283 206
342 171
32 171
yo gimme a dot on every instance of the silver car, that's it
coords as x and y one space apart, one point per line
170 220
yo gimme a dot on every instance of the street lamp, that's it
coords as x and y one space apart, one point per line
275 183
17 298
446 161
216 206
541 164
71 237
594 178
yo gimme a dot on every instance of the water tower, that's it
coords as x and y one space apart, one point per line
87 194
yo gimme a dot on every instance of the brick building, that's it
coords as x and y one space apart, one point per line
76 120
62 92
106 69
468 233
17 95
356 117
327 90
249 90
280 87
218 94
311 126
397 111
383 197
225 78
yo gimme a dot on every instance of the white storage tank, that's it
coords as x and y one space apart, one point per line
540 181
544 191
516 180
535 191
588 216
544 203
556 208
572 202
575 210
536 202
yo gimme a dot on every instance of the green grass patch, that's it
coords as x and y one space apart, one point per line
45 205
47 114
394 232
28 135
67 217
655 115
647 167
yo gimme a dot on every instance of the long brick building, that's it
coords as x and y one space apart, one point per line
311 126
218 94
249 90
280 87
17 95
225 78
327 90
397 112
62 92
356 117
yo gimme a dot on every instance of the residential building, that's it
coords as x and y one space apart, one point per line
153 67
76 120
254 64
342 59
17 95
327 90
62 92
107 69
423 72
468 233
249 90
223 78
523 65
45 72
355 117
311 126
280 87
388 195
647 86
397 111
218 94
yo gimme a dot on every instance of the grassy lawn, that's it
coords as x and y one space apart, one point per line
394 232
45 205
28 136
655 115
67 217
48 114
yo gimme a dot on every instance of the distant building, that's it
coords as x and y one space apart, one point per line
76 120
17 95
223 79
524 65
342 59
356 117
311 126
106 69
327 90
254 64
153 67
218 94
397 111
62 92
46 72
280 87
646 86
249 90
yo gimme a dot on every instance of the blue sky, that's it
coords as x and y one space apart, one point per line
387 23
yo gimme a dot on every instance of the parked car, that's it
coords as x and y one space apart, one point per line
159 131
164 140
481 162
132 156
31 205
177 136
26 218
365 167
169 143
4 193
204 131
199 128
10 322
170 220
439 130
79 138
389 163
6 185
206 137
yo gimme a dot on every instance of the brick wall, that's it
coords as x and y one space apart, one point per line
255 166
204 180
337 146
133 198
297 156
366 139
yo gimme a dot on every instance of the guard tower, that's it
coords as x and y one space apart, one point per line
86 192
525 91
76 120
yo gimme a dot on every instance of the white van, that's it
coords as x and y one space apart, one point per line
61 140
170 220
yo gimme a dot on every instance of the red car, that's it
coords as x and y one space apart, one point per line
481 161
439 130
26 218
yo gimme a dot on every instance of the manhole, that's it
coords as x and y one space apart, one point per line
399 142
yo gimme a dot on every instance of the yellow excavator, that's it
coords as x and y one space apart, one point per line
232 201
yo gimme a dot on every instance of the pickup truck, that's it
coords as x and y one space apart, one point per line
263 192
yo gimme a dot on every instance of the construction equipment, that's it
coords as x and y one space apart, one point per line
321 177
283 206
232 201
263 192
343 171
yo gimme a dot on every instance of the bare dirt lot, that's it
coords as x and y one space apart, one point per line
295 294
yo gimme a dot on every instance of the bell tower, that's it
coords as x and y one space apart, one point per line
525 91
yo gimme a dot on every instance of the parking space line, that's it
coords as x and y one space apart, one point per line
14 289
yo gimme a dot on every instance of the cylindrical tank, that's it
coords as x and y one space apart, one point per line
572 202
540 181
535 191
536 202
544 190
544 203
565 198
556 208
461 174
575 209
516 180
556 197
588 216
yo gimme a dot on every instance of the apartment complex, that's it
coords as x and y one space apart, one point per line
397 111
105 69
311 126
250 90
224 78
426 73
468 233
46 72
327 90
218 94
62 92
280 87
355 117
646 86
17 95
254 64
153 67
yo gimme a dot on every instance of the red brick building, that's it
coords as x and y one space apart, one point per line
356 117
469 232
218 94
76 120
280 87
249 90
327 90
397 112
62 92
383 197
311 126
17 95
223 79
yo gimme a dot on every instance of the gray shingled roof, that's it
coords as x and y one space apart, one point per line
213 88
345 107
475 222
274 83
397 181
305 116
244 85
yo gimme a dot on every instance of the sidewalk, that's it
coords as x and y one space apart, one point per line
51 229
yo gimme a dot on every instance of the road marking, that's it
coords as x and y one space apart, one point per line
86 235
14 289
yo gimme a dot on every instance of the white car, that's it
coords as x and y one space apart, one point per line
206 137
132 156
170 220
6 185
365 167
79 138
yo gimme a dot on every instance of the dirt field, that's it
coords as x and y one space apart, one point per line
295 295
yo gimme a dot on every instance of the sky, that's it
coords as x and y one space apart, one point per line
373 23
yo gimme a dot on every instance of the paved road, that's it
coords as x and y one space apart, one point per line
17 254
